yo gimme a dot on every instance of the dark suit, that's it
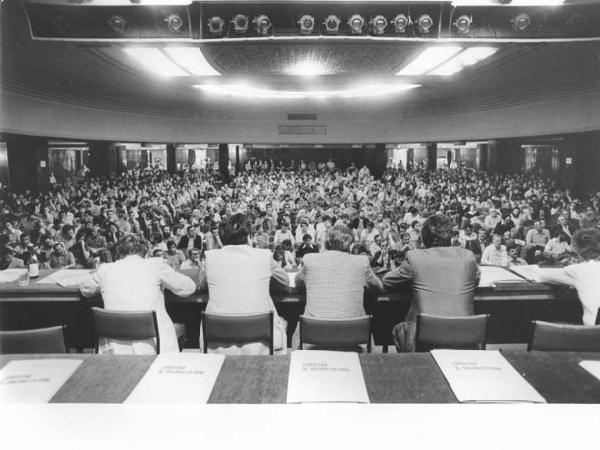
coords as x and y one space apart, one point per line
184 241
443 283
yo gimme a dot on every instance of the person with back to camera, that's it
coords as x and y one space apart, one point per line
443 279
238 278
133 284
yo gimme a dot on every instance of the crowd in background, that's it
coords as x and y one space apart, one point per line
503 219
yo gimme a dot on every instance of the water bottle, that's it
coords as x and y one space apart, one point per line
34 266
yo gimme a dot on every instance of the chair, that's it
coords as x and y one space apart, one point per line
336 334
126 325
598 317
180 334
547 336
460 333
237 329
41 340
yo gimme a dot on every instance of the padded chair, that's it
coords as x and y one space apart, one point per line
41 340
558 337
336 334
459 333
237 329
125 325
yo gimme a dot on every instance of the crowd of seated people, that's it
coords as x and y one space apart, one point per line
502 219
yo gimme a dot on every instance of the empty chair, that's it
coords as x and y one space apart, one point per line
547 336
40 340
336 334
128 326
461 333
237 329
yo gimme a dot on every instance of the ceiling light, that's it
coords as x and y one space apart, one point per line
240 23
378 24
356 22
117 23
468 57
463 24
332 24
512 3
308 68
262 25
400 23
246 91
155 61
216 25
429 59
425 23
174 22
192 60
521 22
307 24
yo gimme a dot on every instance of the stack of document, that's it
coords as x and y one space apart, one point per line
34 380
68 277
325 376
490 275
11 275
484 376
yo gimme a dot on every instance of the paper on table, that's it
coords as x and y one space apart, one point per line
34 380
484 376
324 376
529 272
178 378
10 275
292 277
592 367
70 277
493 274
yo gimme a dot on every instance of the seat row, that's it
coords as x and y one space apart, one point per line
332 334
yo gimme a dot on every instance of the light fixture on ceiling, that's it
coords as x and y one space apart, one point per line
308 68
429 59
507 2
192 60
362 91
521 22
463 24
424 23
356 23
155 61
216 25
240 23
468 57
262 25
307 24
117 23
378 24
174 23
401 22
332 24
577 23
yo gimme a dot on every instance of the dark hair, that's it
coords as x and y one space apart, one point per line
235 230
587 243
340 238
132 245
437 231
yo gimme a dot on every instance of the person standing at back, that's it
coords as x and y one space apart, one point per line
443 279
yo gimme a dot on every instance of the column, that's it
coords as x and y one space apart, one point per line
482 156
224 161
171 158
431 156
103 159
376 159
237 159
28 163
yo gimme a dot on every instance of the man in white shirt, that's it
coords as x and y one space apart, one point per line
495 254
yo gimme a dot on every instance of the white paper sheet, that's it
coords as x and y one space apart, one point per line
324 376
530 272
34 380
292 277
178 378
592 367
69 277
11 275
490 275
484 376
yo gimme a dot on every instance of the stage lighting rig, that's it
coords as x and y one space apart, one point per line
240 23
463 24
117 23
356 23
424 23
307 24
174 22
400 23
332 24
262 25
378 24
216 25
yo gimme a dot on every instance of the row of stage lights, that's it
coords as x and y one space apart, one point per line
119 23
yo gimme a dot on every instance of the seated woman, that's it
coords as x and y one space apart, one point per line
585 276
238 278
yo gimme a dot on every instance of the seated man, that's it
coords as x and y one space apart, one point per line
443 279
174 256
495 254
194 260
61 258
306 247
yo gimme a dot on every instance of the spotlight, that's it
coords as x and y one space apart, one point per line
240 23
400 23
463 24
378 24
307 24
332 24
521 22
117 23
262 25
577 23
215 25
174 22
356 22
425 23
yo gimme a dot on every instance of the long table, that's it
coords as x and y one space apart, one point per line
391 378
512 307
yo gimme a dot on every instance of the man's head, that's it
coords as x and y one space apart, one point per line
132 245
340 238
194 254
497 241
235 230
171 247
587 243
437 231
59 248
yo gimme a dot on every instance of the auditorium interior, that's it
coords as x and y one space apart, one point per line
196 114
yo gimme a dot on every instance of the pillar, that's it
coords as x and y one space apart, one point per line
28 163
431 156
457 156
224 161
171 158
237 159
510 156
104 159
492 156
482 156
376 159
